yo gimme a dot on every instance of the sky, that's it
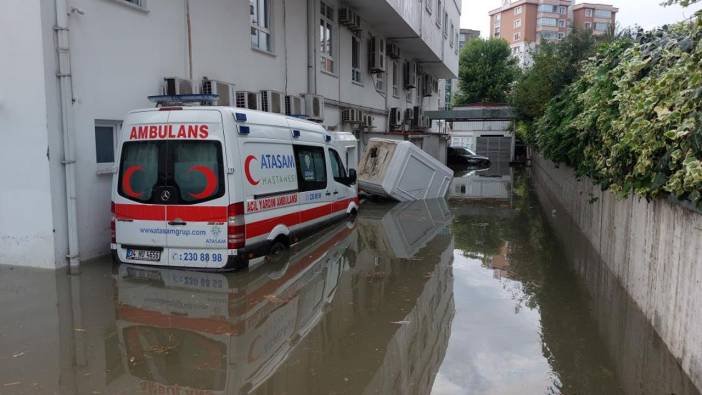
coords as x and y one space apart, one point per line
646 13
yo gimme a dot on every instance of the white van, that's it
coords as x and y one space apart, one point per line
211 187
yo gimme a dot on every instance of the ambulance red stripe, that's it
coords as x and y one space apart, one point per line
219 214
152 212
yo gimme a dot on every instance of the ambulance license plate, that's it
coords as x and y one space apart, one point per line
144 255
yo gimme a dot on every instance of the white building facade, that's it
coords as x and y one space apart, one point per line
73 69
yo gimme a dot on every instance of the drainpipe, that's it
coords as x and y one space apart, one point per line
67 130
190 39
311 47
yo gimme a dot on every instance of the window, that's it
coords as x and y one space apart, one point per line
518 10
138 4
445 24
105 144
517 23
561 35
438 14
395 80
195 168
562 10
326 37
517 36
356 58
588 12
548 8
190 170
105 133
337 166
311 168
453 31
547 22
606 14
588 25
260 25
561 23
601 27
380 82
548 35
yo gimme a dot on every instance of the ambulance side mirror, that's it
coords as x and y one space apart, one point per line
352 176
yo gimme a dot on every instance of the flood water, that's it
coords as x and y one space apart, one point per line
491 292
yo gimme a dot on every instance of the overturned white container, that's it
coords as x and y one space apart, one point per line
402 171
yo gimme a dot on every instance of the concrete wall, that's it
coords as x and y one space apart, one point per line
651 248
642 361
26 228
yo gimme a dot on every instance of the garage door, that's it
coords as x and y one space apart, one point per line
497 148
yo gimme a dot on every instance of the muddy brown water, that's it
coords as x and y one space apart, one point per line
477 295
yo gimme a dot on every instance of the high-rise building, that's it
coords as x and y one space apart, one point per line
524 24
600 18
466 35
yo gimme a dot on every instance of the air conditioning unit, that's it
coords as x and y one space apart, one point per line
428 85
407 119
177 86
410 75
393 51
246 99
400 120
417 118
314 107
272 101
350 19
293 105
367 121
393 116
225 91
376 55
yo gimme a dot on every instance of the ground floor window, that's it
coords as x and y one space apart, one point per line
105 144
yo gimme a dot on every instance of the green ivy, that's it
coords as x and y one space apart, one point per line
633 120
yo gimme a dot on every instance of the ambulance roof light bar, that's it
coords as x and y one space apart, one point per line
180 100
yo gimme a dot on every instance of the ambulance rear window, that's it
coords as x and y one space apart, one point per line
139 168
197 169
190 171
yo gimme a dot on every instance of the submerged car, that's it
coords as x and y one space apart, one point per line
464 156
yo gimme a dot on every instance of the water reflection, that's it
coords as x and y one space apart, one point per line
494 182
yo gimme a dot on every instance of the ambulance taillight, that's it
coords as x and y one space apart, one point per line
236 228
112 223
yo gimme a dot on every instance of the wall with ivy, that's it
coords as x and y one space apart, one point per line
632 122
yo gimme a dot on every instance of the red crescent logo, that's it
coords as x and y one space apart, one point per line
127 181
247 170
211 181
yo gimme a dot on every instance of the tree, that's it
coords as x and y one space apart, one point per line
554 66
683 3
486 72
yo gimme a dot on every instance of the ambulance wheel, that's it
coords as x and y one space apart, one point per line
237 263
278 247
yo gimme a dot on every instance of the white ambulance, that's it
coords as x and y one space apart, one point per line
212 187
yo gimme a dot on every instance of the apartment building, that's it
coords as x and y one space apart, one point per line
525 23
600 18
71 70
448 88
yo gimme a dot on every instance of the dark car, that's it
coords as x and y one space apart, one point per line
464 156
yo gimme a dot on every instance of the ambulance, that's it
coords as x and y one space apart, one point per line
212 187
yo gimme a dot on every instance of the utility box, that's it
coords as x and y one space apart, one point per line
402 171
